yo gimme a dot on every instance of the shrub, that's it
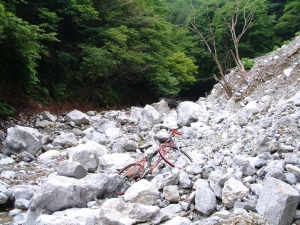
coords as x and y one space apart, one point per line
6 109
248 63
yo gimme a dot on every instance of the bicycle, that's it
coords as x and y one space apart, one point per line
168 152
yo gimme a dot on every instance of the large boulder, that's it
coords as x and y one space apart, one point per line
60 192
77 117
114 161
277 202
142 192
116 211
65 140
149 117
170 119
87 154
188 112
135 114
108 185
21 139
105 124
84 216
162 107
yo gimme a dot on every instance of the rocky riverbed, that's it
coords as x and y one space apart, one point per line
62 169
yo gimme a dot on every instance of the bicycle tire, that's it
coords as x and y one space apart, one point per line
129 174
132 171
169 155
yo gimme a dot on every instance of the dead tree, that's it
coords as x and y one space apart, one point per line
212 49
237 10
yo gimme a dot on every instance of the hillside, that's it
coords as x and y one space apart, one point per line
61 169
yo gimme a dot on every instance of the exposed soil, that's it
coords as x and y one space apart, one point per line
27 107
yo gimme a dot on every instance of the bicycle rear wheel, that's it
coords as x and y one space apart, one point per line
131 173
175 157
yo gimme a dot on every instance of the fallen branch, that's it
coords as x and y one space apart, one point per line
187 213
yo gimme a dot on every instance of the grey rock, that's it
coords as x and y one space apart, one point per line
290 178
5 160
128 145
135 114
162 107
258 163
43 123
76 216
22 203
21 139
162 135
149 117
188 112
48 116
71 169
184 180
178 220
68 192
142 192
25 156
94 135
277 202
256 188
291 158
232 191
169 212
24 191
3 198
15 212
242 120
293 169
87 154
77 117
8 174
170 120
295 99
65 140
205 199
2 135
115 211
214 181
247 205
108 185
113 162
171 193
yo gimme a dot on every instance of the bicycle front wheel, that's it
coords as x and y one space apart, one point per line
175 157
131 173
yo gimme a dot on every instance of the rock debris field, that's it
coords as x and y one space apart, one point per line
63 169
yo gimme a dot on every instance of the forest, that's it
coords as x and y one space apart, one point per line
117 52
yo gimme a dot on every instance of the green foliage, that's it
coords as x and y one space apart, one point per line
6 109
104 50
248 63
182 68
289 22
21 48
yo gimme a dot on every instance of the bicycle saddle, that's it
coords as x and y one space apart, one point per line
144 147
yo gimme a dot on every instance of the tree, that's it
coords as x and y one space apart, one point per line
289 22
21 47
238 16
206 33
